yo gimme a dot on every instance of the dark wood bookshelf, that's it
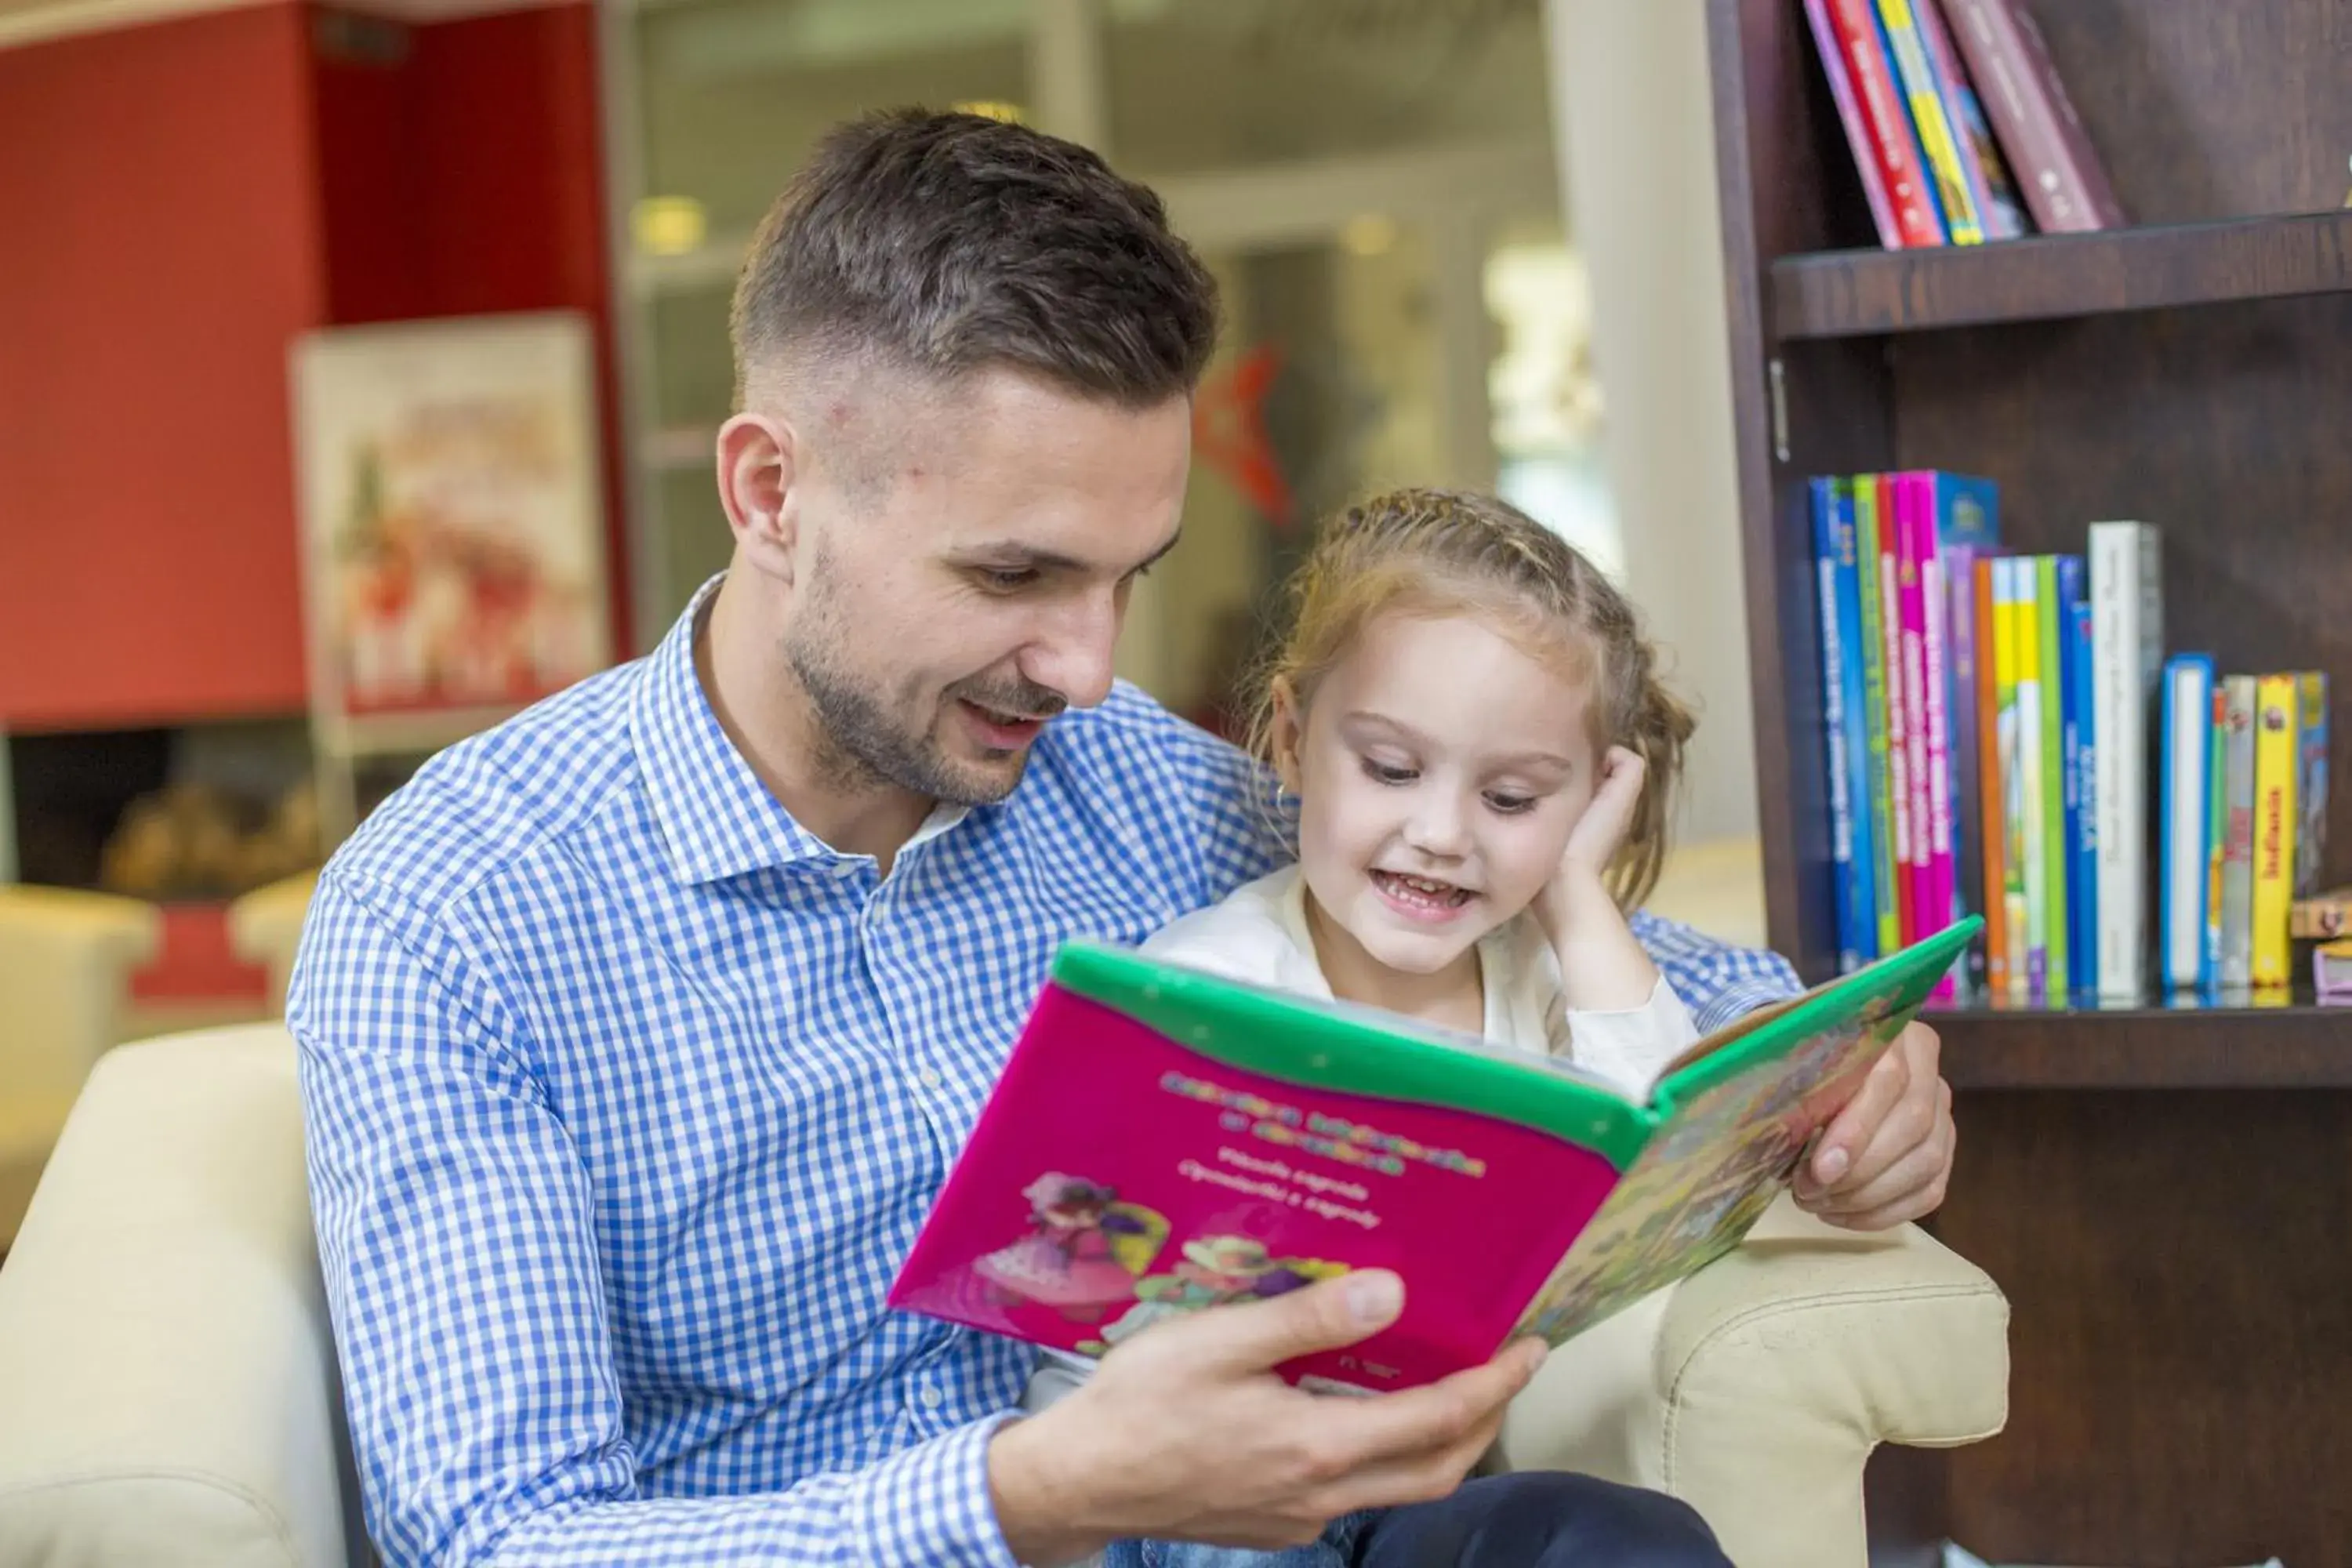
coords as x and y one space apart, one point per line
1862 293
2288 1044
2162 1192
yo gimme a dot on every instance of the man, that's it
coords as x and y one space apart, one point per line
637 1034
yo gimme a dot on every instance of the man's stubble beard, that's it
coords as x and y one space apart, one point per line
860 745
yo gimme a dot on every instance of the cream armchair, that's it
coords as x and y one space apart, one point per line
65 962
167 1389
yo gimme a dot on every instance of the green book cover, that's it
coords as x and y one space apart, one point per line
2052 662
1229 1141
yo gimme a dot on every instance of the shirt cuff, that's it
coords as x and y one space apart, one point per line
931 1504
1736 1001
1628 1045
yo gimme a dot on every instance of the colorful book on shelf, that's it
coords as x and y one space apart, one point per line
1966 654
2183 819
1162 1141
2277 760
1990 782
1931 122
1837 587
2079 748
2127 657
1988 177
1862 491
2217 826
1877 492
2311 779
1949 520
1850 117
2026 610
2008 660
1888 137
2052 661
1930 838
2236 967
2063 183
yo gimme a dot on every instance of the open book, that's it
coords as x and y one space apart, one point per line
1164 1140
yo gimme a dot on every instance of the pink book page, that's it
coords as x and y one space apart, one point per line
1116 1180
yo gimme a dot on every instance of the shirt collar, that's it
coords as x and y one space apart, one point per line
716 818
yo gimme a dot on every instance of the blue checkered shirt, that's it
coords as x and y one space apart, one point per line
625 1095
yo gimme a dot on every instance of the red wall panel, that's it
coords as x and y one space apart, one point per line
181 199
159 249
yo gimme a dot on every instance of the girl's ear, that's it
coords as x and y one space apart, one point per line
1287 736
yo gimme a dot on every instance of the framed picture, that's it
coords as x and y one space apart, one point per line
452 529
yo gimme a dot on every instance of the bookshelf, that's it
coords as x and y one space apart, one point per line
2163 1191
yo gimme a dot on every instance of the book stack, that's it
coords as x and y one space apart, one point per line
2244 813
1942 100
1988 721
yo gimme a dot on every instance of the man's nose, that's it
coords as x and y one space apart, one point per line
1073 653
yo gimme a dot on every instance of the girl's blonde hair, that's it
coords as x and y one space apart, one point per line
1446 553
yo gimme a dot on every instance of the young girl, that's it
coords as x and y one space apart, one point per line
1467 727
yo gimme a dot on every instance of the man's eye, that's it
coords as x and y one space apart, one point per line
1007 579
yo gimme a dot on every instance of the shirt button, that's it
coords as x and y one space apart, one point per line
932 1080
931 1397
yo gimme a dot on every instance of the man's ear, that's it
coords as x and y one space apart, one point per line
758 462
1286 734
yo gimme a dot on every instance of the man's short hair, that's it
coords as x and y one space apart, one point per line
948 243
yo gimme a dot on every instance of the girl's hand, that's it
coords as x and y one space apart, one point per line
1593 843
1600 833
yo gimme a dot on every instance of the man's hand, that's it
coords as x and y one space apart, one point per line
1887 1157
1184 1434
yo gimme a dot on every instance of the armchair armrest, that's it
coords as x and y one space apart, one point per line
168 1389
1757 1389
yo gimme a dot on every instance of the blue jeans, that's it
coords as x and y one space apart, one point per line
1530 1518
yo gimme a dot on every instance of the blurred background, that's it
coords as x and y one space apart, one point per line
359 368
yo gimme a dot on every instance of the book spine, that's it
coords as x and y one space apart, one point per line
2217 830
2004 217
2065 185
2311 783
1891 140
2237 967
1898 714
1943 817
2029 768
1957 567
1857 133
1863 492
1915 523
1841 843
2010 659
2053 665
2082 884
1938 139
2275 812
1851 697
2180 884
2070 761
1993 901
2126 607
